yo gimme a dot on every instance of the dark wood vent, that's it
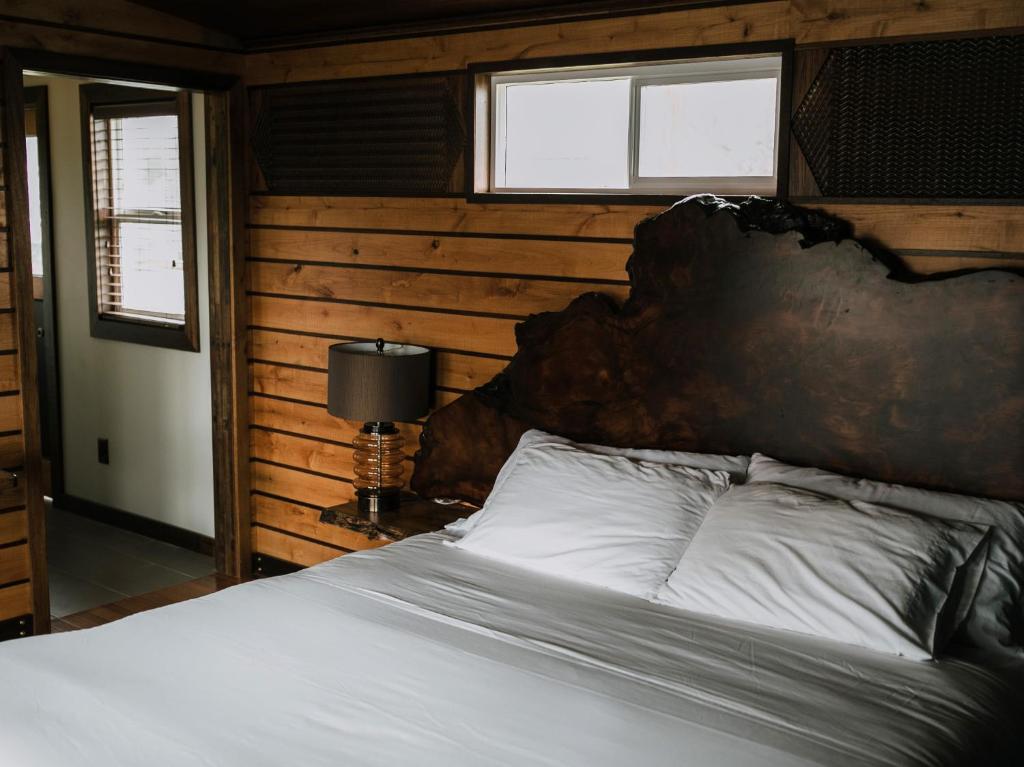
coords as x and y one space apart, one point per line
932 119
379 136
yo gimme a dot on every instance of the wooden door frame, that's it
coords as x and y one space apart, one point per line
226 188
39 101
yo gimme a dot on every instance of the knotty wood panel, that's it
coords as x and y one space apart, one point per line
12 451
991 228
7 331
300 485
15 564
454 370
291 549
951 262
15 601
808 21
305 521
10 412
446 214
9 376
312 454
13 526
583 260
487 335
509 296
12 497
313 421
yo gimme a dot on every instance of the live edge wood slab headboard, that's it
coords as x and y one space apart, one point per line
763 327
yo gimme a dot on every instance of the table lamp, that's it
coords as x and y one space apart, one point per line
378 383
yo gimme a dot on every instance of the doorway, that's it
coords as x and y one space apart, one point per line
220 126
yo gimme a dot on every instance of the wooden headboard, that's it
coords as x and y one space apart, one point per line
763 327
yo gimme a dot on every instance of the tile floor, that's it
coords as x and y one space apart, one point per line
93 564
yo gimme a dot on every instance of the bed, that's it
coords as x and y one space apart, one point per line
424 653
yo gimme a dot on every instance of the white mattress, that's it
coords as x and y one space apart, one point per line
422 654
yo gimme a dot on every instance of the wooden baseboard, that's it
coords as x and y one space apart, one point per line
265 566
126 520
15 628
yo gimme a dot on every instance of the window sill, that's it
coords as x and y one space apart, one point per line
163 335
598 198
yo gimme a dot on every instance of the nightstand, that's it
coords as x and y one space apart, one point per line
413 517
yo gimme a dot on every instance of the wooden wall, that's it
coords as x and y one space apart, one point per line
22 542
117 29
457 276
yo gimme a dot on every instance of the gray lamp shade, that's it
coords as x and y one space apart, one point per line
364 384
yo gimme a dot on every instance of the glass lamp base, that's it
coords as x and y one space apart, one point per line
372 500
378 467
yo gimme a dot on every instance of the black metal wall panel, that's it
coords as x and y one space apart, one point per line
379 136
931 119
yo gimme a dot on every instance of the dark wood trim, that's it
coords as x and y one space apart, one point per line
148 332
133 72
229 317
20 256
784 137
187 179
67 27
38 98
785 47
136 523
557 13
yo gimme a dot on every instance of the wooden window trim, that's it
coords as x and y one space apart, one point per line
144 102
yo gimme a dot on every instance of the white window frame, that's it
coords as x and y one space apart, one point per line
717 69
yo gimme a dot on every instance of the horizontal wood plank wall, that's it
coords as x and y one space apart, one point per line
458 276
15 562
809 22
441 272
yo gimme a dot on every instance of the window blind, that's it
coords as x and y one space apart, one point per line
137 208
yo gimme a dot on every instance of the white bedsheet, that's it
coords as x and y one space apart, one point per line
422 654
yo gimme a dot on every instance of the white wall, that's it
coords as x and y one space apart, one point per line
152 404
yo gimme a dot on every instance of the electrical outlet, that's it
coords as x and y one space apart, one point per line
103 450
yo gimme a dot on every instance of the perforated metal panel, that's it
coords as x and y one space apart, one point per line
933 119
379 136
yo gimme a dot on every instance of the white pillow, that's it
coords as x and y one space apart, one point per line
850 571
734 465
997 615
601 519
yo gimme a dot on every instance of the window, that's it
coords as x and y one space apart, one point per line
35 203
142 216
703 125
38 167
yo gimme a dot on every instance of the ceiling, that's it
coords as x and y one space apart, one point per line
260 23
